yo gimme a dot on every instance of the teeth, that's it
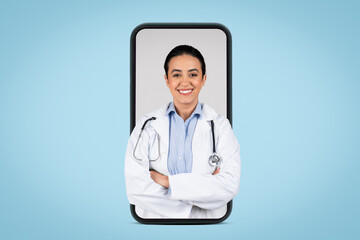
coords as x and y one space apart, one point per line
185 91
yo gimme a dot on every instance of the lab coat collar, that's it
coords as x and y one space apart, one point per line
208 113
197 110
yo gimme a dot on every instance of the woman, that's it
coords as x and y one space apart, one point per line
167 169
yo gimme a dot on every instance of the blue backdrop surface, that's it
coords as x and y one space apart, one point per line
64 118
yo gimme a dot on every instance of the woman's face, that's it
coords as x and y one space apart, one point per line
185 80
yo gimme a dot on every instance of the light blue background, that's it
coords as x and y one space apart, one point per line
64 118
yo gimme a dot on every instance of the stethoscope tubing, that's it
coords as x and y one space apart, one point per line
214 159
137 142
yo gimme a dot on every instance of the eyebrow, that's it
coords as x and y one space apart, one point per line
178 70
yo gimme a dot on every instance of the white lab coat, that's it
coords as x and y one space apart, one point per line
198 194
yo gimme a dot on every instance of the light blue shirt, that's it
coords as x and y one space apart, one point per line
180 140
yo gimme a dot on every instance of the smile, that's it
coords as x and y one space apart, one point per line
185 91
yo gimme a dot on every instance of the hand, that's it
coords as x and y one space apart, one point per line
217 170
160 178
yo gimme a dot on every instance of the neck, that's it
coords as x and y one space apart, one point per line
185 110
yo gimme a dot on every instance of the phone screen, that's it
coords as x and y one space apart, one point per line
150 45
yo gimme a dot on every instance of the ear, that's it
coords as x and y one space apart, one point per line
166 80
203 80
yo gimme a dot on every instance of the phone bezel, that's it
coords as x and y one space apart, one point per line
133 104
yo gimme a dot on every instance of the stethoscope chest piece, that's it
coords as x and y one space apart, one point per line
214 160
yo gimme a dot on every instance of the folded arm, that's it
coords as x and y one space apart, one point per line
141 190
210 191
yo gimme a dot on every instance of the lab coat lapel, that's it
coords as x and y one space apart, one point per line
161 126
202 126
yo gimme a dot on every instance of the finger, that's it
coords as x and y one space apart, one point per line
216 171
153 175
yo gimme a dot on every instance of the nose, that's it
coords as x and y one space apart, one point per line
185 81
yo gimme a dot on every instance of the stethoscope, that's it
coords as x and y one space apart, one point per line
137 142
214 159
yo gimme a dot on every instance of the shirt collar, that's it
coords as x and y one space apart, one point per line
198 109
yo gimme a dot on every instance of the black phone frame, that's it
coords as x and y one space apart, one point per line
182 221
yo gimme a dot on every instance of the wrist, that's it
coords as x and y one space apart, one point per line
166 182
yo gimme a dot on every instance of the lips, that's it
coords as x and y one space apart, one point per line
185 91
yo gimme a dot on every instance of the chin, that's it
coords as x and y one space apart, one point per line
186 102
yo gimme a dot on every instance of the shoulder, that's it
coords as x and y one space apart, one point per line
222 125
210 114
158 113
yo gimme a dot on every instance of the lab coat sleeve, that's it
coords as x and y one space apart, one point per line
209 191
141 190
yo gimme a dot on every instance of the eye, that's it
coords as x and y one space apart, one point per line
193 75
176 75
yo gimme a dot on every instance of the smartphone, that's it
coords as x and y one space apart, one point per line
150 43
